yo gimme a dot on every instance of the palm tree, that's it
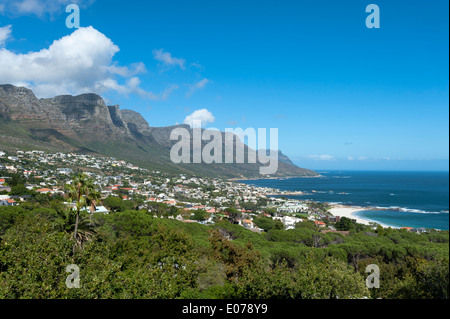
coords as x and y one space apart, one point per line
85 231
93 197
84 193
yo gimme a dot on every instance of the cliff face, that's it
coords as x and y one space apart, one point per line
19 103
85 107
136 121
116 116
84 116
84 123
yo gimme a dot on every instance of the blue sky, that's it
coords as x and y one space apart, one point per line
341 95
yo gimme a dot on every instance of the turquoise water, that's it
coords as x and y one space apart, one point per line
412 199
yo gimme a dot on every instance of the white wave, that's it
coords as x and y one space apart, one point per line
408 210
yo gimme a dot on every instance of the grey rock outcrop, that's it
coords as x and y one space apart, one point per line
84 123
135 121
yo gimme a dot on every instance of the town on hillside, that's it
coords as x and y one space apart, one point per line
27 175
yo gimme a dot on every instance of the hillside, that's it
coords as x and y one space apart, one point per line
85 124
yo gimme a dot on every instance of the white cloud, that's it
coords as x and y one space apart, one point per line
201 117
133 87
167 59
197 65
197 86
134 69
201 84
321 157
40 8
32 6
5 33
77 63
359 158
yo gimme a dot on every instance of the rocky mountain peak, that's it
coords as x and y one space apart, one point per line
136 121
82 107
84 123
19 103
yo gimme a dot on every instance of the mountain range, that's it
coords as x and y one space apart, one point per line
85 124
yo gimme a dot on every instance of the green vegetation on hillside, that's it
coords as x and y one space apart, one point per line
132 254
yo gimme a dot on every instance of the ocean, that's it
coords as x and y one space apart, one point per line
399 199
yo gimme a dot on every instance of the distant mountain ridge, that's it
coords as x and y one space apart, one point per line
85 124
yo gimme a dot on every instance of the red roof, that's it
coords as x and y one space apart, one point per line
2 180
44 190
10 200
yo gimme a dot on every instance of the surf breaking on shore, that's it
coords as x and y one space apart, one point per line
350 212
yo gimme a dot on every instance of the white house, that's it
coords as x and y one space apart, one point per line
288 221
98 209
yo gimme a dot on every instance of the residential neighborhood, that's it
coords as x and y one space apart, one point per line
49 173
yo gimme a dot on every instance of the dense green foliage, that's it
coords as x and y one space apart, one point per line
132 254
268 223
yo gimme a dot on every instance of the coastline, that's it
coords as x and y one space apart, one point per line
237 179
383 213
350 212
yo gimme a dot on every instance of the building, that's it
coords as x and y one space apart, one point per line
319 223
65 171
98 209
289 221
333 219
44 191
248 224
8 202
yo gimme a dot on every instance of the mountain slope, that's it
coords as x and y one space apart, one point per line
85 124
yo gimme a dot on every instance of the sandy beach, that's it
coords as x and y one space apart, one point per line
349 212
